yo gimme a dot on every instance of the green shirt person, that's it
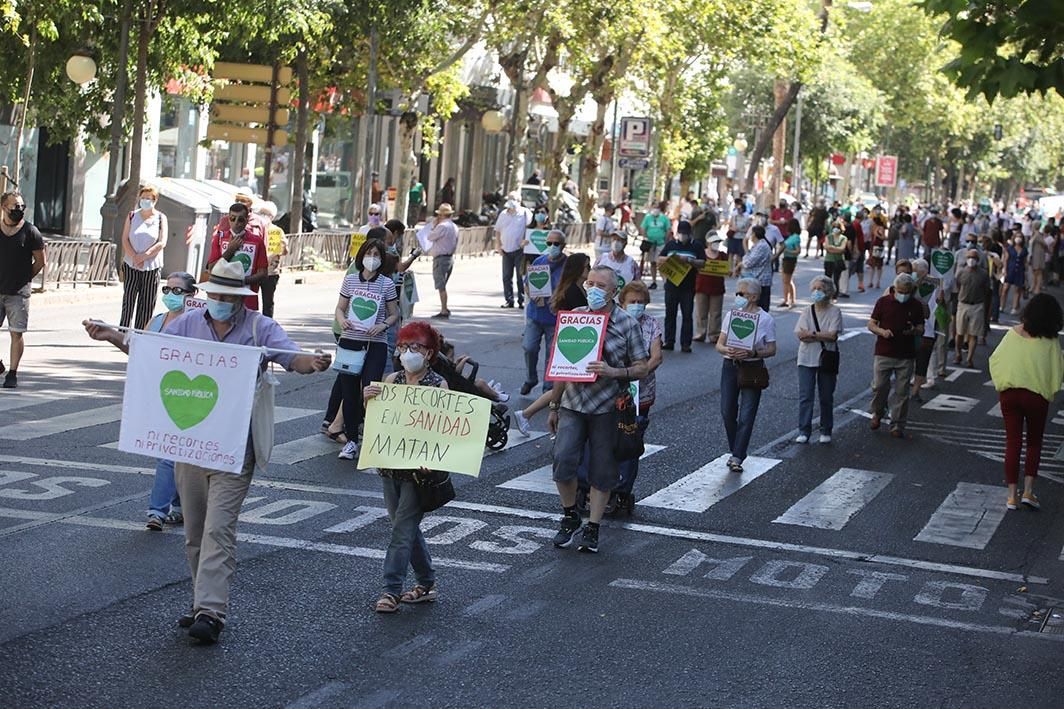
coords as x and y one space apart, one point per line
656 226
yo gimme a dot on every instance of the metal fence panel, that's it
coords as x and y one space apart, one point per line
74 262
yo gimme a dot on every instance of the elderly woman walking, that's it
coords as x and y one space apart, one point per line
818 330
743 374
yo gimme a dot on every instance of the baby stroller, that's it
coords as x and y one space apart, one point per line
499 423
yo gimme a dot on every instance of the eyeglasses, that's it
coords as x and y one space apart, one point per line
555 243
167 290
411 347
740 293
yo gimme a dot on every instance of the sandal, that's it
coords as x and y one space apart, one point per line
419 594
339 436
387 603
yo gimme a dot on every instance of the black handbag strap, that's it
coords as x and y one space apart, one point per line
816 326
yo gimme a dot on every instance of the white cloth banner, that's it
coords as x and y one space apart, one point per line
188 400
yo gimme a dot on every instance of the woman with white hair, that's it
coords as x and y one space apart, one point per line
276 247
818 330
743 374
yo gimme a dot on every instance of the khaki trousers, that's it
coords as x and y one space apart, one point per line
708 316
882 370
211 501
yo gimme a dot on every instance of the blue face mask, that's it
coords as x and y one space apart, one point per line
596 298
636 309
901 297
818 296
554 251
173 301
540 218
220 310
741 302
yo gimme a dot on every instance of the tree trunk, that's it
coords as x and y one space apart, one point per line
144 31
295 213
24 109
555 174
407 165
519 140
770 130
592 160
779 146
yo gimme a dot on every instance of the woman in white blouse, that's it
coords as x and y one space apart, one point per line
818 330
143 241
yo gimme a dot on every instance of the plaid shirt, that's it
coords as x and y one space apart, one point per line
623 346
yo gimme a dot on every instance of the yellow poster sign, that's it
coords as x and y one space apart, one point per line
274 241
715 267
410 427
356 243
674 269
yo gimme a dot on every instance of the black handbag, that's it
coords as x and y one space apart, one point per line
629 436
829 359
434 489
752 375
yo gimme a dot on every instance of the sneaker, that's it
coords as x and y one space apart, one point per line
1011 503
1030 500
527 387
874 424
348 453
589 540
11 380
175 517
825 438
653 286
567 530
154 524
499 392
186 620
735 465
521 421
206 629
802 438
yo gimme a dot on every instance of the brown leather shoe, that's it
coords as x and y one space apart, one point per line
875 422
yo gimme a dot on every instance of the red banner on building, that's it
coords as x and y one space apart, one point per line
886 170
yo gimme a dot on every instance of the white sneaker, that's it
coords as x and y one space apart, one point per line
521 422
348 453
499 392
802 438
825 438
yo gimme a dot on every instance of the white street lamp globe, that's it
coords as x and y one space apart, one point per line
740 144
493 121
81 69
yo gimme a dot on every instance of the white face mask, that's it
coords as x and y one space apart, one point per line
412 361
147 204
617 246
371 263
973 262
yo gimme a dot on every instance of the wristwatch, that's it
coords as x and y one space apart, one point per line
553 405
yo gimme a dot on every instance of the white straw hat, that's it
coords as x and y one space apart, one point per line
227 278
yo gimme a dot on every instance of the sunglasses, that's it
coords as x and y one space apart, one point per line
412 347
555 243
167 290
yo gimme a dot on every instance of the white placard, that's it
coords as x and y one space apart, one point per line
539 285
742 330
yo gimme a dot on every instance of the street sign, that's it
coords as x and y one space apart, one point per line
243 134
226 113
242 93
255 73
886 170
633 163
635 138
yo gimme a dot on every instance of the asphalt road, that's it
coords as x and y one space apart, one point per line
868 572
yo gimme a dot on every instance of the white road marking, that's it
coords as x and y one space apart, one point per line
515 439
74 421
24 398
951 403
281 414
262 539
680 590
708 485
850 334
967 518
541 479
305 448
836 500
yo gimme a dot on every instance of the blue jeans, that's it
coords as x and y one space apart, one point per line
164 499
512 266
407 546
683 298
739 409
810 379
534 333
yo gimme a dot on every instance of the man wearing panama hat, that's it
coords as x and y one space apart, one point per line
211 499
441 236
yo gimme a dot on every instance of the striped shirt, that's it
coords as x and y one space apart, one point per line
363 295
623 346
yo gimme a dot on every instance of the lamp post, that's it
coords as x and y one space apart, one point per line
81 68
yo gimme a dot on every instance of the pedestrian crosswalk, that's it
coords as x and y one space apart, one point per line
836 500
708 485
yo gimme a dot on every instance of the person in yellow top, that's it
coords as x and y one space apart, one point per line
276 247
1027 368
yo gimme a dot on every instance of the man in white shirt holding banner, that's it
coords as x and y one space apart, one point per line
204 400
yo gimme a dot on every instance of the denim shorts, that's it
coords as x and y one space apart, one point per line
598 432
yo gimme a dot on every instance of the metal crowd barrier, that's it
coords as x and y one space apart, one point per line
77 262
329 250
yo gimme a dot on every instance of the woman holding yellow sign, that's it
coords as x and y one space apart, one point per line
679 262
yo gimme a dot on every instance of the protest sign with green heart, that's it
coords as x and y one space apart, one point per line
187 401
364 309
244 259
539 285
576 343
742 330
539 279
942 262
537 241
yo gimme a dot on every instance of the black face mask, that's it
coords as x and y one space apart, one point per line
16 214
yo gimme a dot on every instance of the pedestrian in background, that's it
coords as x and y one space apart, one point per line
655 227
540 319
418 344
1015 268
818 329
738 226
624 265
973 283
681 295
442 236
1027 369
276 247
739 399
143 241
21 259
835 257
792 247
896 320
447 194
757 264
709 295
510 227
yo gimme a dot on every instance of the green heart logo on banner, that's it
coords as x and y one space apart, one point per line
244 259
539 279
742 327
574 344
187 401
926 289
538 237
620 281
364 308
942 260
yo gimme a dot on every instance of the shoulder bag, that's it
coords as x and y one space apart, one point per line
349 360
752 374
262 411
829 359
434 489
628 443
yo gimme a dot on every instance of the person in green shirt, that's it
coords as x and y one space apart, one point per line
655 227
417 200
834 259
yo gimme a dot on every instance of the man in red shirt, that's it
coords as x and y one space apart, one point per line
236 242
897 319
781 216
932 236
